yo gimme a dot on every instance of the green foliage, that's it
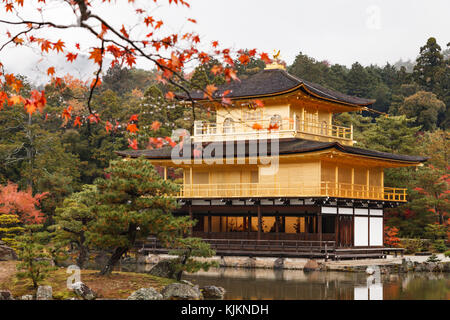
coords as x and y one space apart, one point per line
414 245
187 249
435 231
428 64
433 258
9 229
424 107
447 253
132 203
439 246
35 260
73 219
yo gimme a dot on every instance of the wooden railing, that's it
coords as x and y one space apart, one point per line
244 246
325 189
211 131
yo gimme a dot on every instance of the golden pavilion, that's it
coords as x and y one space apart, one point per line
282 179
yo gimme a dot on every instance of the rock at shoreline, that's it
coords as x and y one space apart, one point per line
213 292
44 293
311 265
249 263
83 291
279 263
6 295
145 294
7 253
26 297
181 291
164 269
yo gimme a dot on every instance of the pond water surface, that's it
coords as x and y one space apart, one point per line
298 285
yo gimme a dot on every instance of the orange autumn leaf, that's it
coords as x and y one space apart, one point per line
156 125
257 126
96 55
134 117
170 95
258 103
132 128
108 126
77 122
51 71
133 144
210 89
58 46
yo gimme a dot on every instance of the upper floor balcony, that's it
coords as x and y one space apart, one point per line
300 189
274 128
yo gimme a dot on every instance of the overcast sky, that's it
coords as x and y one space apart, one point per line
340 31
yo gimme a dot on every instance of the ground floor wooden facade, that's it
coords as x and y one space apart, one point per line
347 224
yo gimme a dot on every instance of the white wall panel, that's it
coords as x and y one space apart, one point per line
345 210
361 231
362 211
332 210
376 231
376 212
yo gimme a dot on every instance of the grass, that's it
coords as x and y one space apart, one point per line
117 285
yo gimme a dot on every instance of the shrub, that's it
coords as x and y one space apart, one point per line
439 246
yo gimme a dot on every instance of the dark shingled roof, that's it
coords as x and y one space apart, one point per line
273 81
286 146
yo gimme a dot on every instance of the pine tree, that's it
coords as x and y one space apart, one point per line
132 203
187 249
428 64
9 229
35 259
73 220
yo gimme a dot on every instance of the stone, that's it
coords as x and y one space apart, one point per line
311 265
6 295
145 294
163 269
26 297
83 291
213 292
187 282
249 263
279 263
7 253
181 291
44 293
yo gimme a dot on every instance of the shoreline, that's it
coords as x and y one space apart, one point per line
389 265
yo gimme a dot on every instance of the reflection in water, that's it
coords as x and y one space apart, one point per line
298 285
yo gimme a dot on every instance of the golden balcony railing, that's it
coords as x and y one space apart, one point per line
325 189
235 130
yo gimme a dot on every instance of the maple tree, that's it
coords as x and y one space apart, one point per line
391 238
113 43
16 209
21 203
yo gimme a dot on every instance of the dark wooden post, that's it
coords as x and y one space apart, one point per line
249 224
319 226
209 222
190 217
259 222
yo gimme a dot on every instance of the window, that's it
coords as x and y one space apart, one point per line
228 125
275 121
253 115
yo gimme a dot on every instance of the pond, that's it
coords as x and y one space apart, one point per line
256 284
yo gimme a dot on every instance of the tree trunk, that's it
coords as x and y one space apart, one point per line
82 256
118 253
